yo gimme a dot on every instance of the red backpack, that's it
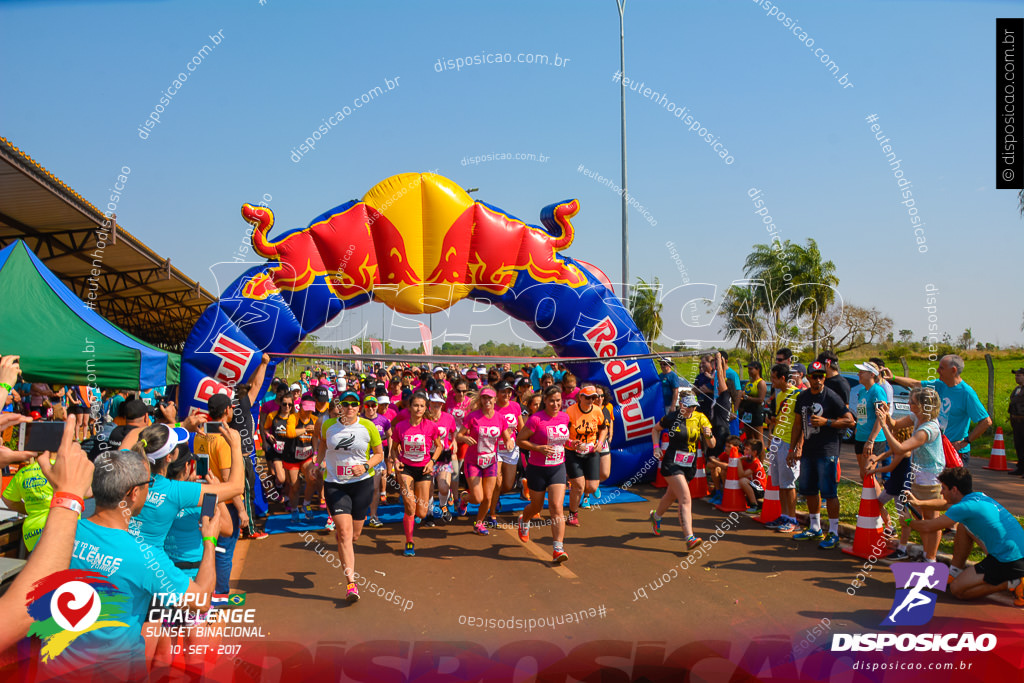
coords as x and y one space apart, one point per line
953 458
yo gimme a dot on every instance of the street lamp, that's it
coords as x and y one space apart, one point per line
621 4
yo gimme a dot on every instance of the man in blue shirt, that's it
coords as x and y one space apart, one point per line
983 521
103 543
669 385
960 405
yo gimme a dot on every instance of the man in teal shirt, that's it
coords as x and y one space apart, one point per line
960 405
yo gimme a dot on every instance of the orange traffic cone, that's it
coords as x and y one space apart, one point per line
771 507
869 540
997 460
699 484
659 481
733 499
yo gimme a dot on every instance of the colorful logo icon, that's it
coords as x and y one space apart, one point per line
914 604
72 602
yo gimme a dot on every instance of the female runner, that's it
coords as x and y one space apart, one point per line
300 427
415 448
509 459
481 430
348 450
687 429
544 436
447 429
458 406
383 424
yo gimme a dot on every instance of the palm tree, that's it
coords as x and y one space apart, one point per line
814 283
645 308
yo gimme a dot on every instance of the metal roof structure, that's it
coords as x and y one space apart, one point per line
127 282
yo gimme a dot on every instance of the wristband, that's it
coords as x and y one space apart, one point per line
211 539
70 501
908 520
5 385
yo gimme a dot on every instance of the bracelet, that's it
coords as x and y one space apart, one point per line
69 501
211 539
5 385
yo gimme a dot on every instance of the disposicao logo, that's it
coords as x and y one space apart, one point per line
69 603
914 605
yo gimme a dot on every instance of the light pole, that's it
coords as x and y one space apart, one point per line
621 4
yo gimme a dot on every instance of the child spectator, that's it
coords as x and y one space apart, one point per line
751 472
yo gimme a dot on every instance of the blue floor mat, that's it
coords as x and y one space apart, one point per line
392 514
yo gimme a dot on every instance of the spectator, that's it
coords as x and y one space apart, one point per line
242 422
869 430
882 370
983 521
714 398
927 458
833 380
960 405
784 474
751 402
670 384
1017 420
219 452
732 380
798 376
751 473
135 414
717 469
816 438
784 356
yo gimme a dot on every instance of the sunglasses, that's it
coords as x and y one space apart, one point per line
287 403
348 404
148 482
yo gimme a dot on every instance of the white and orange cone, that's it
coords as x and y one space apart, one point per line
699 484
997 460
771 507
869 540
733 499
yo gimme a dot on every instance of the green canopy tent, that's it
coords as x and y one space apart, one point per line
63 341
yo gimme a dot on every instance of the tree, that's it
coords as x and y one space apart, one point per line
906 336
845 327
965 340
645 307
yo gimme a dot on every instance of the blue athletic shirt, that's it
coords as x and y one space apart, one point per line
117 555
865 407
166 498
989 521
960 407
184 542
669 382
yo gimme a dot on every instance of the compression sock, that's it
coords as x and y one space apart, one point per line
833 526
408 523
815 522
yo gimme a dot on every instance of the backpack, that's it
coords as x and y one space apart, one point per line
953 458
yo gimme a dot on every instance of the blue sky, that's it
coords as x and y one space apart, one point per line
80 78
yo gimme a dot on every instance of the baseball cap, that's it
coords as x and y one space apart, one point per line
307 402
488 391
347 396
868 366
218 403
133 410
472 375
370 398
588 391
687 399
435 398
503 386
817 368
797 367
438 369
295 386
321 395
383 400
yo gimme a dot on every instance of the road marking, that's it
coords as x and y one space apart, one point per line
537 552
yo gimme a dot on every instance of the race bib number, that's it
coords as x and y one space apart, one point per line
415 447
279 446
556 458
584 448
684 459
862 411
345 471
746 417
303 452
557 435
487 441
484 460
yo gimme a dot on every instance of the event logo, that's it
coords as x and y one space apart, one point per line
913 604
70 603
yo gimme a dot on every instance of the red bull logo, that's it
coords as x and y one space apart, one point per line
418 243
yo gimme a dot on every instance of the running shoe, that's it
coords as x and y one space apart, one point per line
330 524
374 523
898 554
463 506
716 497
429 522
597 493
1018 594
523 530
480 528
775 523
352 592
831 541
259 535
493 522
655 524
693 541
295 514
573 519
410 550
752 510
586 502
309 512
787 527
384 498
809 535
560 556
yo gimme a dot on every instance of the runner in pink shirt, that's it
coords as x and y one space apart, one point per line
415 447
509 459
482 430
447 428
544 436
458 406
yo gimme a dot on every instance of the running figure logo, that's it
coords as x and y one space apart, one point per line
913 604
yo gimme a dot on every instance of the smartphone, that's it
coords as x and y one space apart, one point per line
209 505
213 427
40 436
202 464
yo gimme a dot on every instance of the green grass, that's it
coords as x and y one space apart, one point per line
849 505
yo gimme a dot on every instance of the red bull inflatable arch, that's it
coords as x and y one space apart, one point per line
418 243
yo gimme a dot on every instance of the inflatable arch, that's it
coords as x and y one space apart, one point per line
418 243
